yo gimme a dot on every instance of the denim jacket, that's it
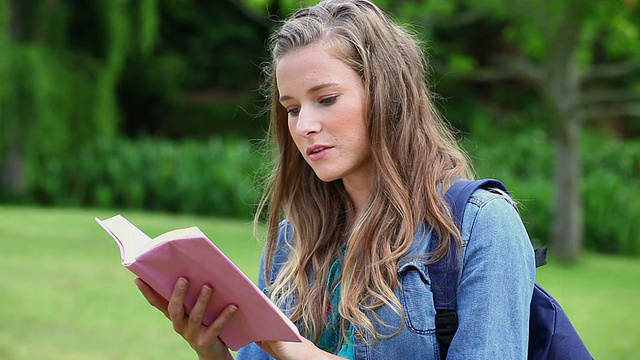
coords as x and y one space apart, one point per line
494 294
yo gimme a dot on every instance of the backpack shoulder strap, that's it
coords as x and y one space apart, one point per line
444 274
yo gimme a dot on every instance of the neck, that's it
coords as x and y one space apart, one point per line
359 193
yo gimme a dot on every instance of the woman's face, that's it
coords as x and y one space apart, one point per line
325 101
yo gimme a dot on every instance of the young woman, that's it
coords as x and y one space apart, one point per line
363 161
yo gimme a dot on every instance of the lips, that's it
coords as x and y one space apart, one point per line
317 151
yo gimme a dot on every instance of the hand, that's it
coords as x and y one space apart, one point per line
285 350
204 340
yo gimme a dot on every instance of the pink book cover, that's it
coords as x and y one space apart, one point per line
189 253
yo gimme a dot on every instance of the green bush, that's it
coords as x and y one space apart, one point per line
241 117
217 177
610 184
524 162
214 177
611 189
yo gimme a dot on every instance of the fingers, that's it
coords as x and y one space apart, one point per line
197 313
190 327
175 308
203 339
152 296
221 321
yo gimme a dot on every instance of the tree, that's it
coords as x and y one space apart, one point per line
62 60
205 66
575 54
4 91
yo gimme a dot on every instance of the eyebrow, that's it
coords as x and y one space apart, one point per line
311 90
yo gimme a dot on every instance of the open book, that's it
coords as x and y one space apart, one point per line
189 253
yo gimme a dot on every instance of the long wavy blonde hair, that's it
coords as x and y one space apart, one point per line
414 154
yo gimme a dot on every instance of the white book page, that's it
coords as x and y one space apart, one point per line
130 239
186 233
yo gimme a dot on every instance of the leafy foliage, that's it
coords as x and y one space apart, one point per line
207 57
79 71
524 160
5 76
611 188
214 177
64 61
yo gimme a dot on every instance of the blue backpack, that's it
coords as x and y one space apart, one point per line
551 334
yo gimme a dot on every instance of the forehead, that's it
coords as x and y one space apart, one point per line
310 65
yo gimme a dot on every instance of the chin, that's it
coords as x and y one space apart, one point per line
326 177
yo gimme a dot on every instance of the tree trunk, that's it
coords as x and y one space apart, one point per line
567 221
563 95
17 10
12 179
12 169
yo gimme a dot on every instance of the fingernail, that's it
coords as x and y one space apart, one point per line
182 283
234 308
206 288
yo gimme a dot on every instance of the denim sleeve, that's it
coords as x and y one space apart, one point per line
496 282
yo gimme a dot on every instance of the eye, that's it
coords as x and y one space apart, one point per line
328 100
293 111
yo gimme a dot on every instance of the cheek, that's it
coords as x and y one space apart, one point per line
358 127
291 128
295 139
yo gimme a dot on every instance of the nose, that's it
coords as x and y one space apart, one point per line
308 122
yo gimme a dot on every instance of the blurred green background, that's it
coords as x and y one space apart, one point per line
154 108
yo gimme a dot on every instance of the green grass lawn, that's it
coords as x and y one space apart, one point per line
64 294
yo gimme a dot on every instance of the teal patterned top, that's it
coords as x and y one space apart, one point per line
330 338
